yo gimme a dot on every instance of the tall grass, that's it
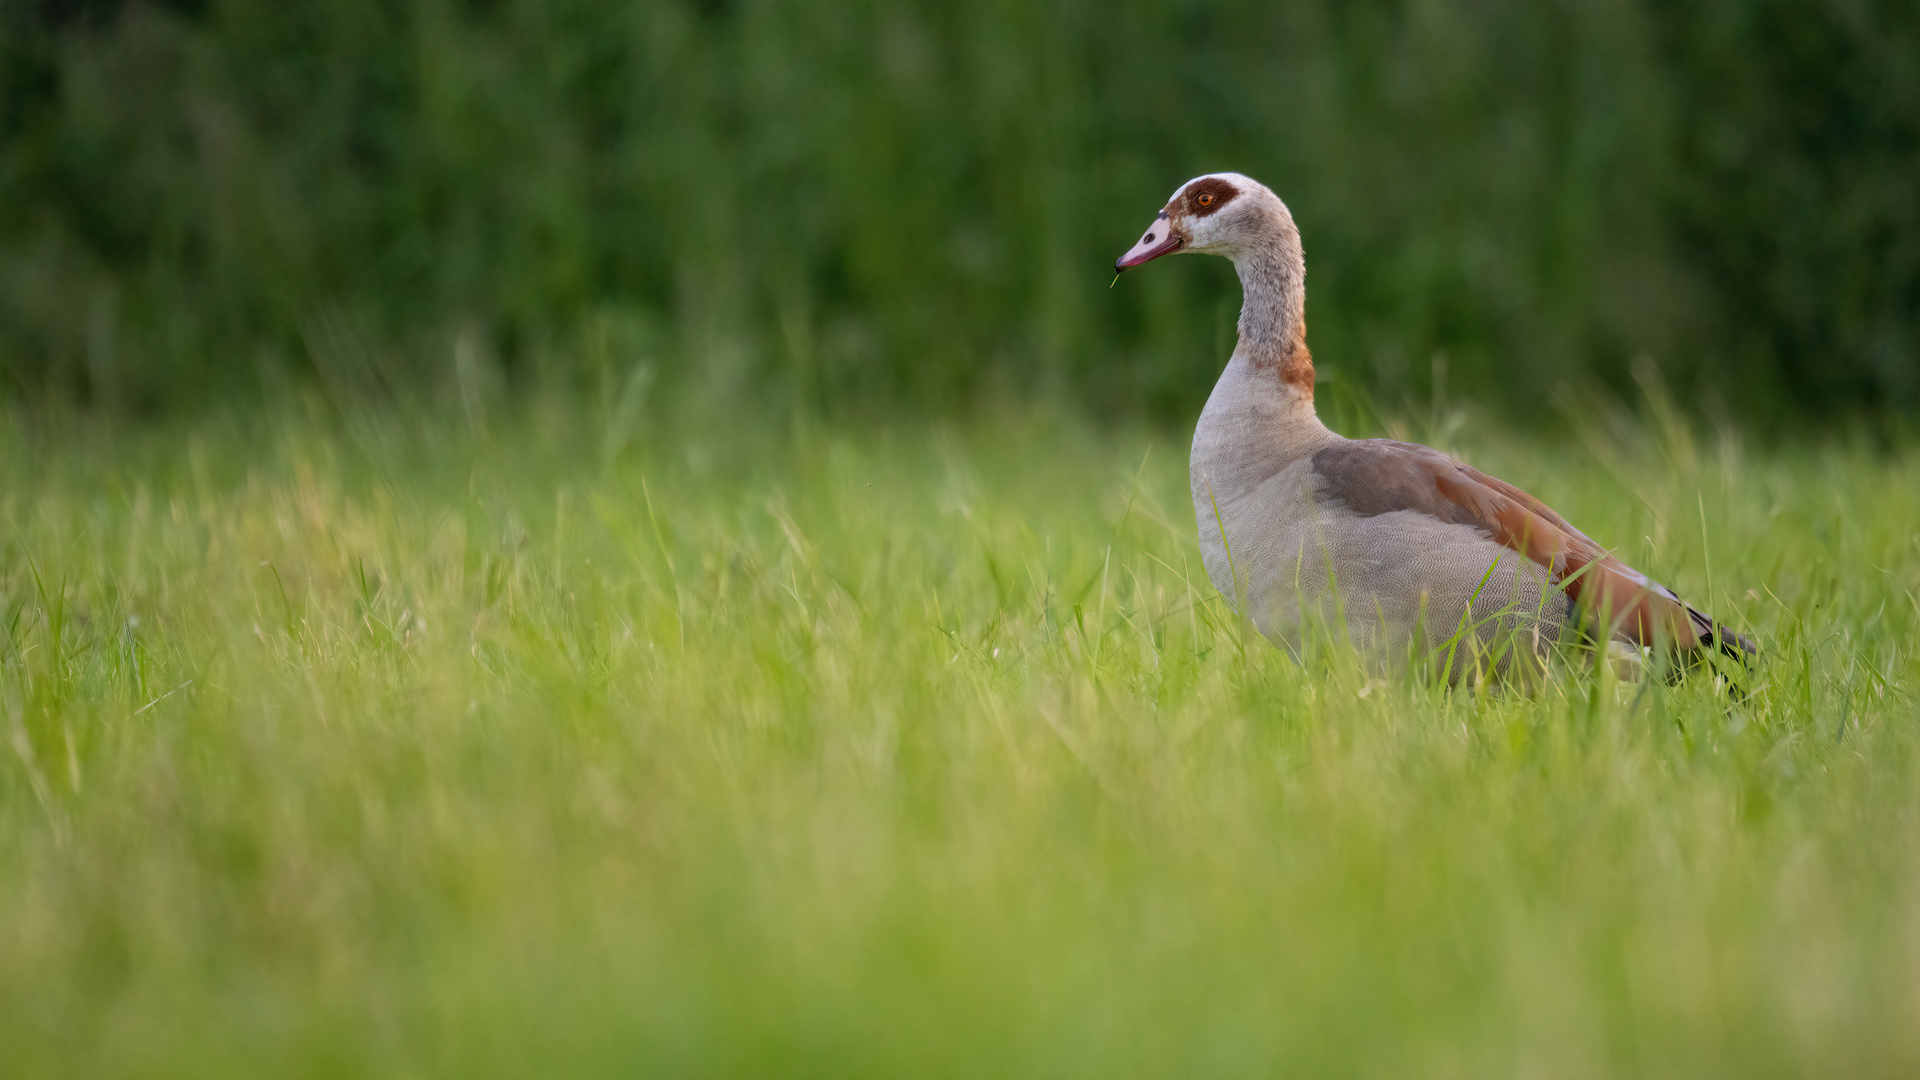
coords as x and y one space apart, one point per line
586 741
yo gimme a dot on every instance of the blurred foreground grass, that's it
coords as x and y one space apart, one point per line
567 746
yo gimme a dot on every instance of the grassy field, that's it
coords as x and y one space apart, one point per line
586 742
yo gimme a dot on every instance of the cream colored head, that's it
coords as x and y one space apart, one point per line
1216 214
1237 217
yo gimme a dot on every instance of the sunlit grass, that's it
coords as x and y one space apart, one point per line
400 745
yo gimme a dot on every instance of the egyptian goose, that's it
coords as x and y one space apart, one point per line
1401 544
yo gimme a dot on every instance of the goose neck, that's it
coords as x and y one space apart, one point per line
1273 324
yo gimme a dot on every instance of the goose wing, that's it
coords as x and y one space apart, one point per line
1379 476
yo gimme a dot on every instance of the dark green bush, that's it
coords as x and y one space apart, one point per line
915 204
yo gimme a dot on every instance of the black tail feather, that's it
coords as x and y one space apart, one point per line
1732 645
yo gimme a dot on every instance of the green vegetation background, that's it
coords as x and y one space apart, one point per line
840 204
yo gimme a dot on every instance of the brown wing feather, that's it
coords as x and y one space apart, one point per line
1643 610
1378 476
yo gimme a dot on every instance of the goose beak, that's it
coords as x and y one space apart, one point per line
1159 239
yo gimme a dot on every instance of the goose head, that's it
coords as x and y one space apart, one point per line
1215 214
1240 218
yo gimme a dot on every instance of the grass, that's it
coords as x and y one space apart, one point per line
564 746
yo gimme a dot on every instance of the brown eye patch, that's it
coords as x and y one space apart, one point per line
1209 195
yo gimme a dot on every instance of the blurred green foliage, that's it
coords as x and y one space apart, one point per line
843 204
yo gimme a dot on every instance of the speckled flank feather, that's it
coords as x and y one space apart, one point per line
1380 476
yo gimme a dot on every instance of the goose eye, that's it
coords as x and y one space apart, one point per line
1206 198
